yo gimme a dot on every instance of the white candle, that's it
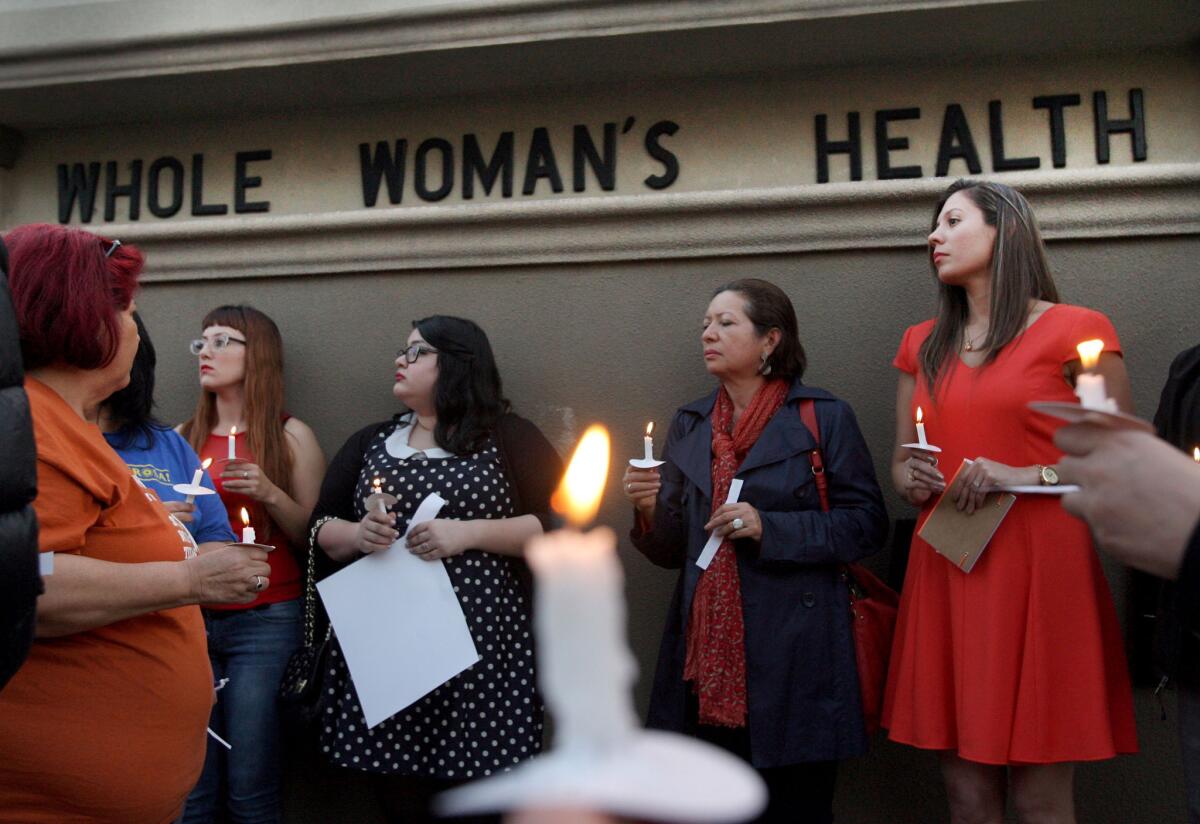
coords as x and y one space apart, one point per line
1089 386
248 536
584 665
921 428
648 441
198 477
377 489
232 443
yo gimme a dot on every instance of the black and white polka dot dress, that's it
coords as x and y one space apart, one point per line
489 717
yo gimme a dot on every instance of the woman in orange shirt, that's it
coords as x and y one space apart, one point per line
105 722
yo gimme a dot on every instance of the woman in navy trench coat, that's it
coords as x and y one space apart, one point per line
803 711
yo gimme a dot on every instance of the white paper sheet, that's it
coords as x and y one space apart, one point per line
714 540
399 624
45 563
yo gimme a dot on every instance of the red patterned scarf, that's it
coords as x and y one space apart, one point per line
716 648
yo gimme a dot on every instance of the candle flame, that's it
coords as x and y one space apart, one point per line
920 415
1196 454
204 464
649 429
1089 352
377 484
578 496
245 517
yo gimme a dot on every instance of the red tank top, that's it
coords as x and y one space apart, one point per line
285 571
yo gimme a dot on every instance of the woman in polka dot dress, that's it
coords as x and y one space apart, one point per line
496 472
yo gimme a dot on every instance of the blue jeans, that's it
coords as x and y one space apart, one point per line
251 648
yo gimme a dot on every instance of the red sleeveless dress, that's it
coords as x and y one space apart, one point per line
1021 661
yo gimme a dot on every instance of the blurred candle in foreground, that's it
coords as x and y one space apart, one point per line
585 667
1196 454
248 536
1089 386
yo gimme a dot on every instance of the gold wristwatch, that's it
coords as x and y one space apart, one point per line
1047 475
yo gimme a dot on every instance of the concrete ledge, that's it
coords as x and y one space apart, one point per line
1119 201
135 38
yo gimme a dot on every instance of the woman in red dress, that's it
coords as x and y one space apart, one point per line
1015 670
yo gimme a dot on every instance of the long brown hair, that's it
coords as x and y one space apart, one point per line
1019 270
262 390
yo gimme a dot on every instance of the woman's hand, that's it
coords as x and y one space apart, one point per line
922 479
375 532
641 487
722 522
440 538
181 510
229 575
248 479
983 475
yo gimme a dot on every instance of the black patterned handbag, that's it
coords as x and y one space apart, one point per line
301 696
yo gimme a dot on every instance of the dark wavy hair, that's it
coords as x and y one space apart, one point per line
769 307
468 396
1020 272
132 408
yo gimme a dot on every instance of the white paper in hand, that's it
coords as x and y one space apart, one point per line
714 540
399 624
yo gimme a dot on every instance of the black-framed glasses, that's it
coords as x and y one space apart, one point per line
415 351
217 343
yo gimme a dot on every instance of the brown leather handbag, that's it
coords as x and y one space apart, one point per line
873 604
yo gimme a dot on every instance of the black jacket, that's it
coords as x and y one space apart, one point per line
20 584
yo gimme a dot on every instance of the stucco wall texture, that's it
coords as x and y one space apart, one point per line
619 343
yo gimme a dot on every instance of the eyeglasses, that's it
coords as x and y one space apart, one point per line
217 343
415 351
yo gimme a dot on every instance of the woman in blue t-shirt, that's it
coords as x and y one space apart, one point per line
157 455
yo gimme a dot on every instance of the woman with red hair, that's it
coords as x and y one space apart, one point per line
276 478
105 722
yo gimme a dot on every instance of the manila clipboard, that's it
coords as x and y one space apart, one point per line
959 537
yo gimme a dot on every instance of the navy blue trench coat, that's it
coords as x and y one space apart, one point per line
801 677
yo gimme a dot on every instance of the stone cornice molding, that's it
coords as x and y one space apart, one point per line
1125 201
96 52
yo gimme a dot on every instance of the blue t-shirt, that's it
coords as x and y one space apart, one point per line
170 460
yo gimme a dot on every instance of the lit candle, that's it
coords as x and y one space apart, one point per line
233 443
921 428
1089 386
248 536
377 490
585 667
1196 454
197 477
648 441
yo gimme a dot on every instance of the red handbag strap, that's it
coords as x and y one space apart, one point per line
808 414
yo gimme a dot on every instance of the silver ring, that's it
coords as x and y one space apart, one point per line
245 474
258 583
977 484
737 523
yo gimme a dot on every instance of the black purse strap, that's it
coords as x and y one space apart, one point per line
310 585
